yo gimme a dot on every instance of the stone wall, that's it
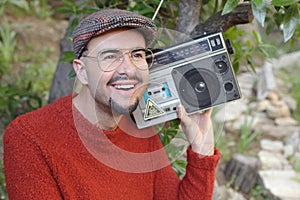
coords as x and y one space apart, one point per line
271 108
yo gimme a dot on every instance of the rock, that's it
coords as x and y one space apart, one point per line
273 96
284 184
270 161
251 121
272 146
293 140
288 150
286 121
265 82
278 109
262 105
246 82
278 132
230 111
291 102
228 193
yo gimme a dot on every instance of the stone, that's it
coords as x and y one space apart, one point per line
230 111
273 96
278 132
228 193
293 140
270 160
286 121
262 105
278 109
288 150
238 123
266 82
290 101
272 146
283 184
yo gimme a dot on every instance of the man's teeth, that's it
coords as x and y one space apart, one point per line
124 87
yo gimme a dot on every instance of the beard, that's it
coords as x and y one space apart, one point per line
123 110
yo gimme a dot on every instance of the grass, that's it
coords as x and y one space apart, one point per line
290 75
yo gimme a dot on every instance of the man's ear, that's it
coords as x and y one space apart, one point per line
80 70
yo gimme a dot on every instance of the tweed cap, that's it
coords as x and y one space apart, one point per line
104 20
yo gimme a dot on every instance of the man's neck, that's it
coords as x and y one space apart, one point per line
99 115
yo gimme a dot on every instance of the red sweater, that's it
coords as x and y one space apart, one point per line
48 156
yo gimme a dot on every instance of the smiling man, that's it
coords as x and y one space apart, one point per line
86 145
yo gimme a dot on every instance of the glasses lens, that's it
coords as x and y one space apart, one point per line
142 58
107 59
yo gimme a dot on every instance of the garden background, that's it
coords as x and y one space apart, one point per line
34 42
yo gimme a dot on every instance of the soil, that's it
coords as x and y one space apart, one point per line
39 33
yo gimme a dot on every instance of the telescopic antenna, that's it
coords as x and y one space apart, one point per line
161 1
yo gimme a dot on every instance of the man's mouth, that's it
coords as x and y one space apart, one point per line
124 87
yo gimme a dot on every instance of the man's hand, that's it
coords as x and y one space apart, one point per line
198 130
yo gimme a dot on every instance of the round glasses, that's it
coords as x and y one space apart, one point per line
109 59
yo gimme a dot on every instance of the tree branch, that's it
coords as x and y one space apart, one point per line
242 14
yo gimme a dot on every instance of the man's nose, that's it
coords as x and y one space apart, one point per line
126 64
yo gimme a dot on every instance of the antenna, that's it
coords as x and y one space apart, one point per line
161 2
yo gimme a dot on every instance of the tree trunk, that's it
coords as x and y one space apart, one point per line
188 16
61 85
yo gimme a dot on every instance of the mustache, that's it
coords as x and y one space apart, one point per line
123 77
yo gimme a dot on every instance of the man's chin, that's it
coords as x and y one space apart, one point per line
123 110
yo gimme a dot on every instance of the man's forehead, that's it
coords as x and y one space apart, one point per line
118 38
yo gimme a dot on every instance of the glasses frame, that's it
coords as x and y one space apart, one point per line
123 51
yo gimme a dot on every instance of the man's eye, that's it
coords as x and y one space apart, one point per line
108 57
138 55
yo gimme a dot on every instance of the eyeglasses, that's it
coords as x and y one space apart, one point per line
108 60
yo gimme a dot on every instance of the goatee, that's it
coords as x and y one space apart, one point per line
121 110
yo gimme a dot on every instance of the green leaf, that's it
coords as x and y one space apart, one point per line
20 3
256 36
68 56
259 10
230 6
72 74
283 2
290 22
69 3
64 9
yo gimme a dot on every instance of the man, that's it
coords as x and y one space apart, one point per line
86 145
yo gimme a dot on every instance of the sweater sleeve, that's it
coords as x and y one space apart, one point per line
26 171
198 182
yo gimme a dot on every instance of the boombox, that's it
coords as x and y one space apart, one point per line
197 73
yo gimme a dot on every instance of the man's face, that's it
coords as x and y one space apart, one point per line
118 90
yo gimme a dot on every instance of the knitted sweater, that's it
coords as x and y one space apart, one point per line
55 153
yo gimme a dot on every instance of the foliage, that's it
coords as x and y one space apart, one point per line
7 46
259 192
290 76
167 133
284 14
252 45
38 8
3 194
247 135
22 95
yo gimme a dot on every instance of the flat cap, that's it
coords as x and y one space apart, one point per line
107 19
